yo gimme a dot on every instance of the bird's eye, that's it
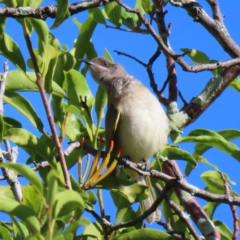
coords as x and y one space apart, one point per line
105 64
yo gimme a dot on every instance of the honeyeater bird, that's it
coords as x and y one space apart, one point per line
134 120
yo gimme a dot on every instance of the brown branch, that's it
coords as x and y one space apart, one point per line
50 10
217 15
133 30
140 218
233 209
180 214
200 103
216 28
190 204
39 83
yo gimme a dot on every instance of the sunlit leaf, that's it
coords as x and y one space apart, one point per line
29 141
112 11
145 233
213 139
223 229
66 202
195 55
27 83
21 211
173 152
235 84
5 234
62 12
24 107
96 15
83 39
9 48
27 172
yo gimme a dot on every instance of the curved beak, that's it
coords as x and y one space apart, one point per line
85 61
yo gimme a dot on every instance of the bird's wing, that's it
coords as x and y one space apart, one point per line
111 125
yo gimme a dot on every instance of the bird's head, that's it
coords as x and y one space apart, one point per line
104 71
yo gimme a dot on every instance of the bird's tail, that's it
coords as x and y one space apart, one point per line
147 203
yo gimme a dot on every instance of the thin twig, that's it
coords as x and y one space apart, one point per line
39 83
232 207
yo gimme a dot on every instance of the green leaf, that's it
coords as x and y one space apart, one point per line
214 181
42 31
76 86
21 211
223 229
29 141
210 208
32 199
212 139
143 234
112 11
195 55
94 230
107 55
73 227
147 6
5 234
173 152
52 185
24 106
128 19
83 40
125 189
9 48
66 202
228 134
235 84
74 128
27 172
11 122
27 82
62 13
190 167
97 15
6 193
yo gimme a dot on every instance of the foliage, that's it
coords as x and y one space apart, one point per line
49 210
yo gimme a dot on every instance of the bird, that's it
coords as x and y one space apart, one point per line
135 120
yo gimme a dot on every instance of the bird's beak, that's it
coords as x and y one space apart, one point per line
89 62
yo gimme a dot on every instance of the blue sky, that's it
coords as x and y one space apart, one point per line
185 33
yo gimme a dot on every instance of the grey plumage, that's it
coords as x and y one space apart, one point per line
135 119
